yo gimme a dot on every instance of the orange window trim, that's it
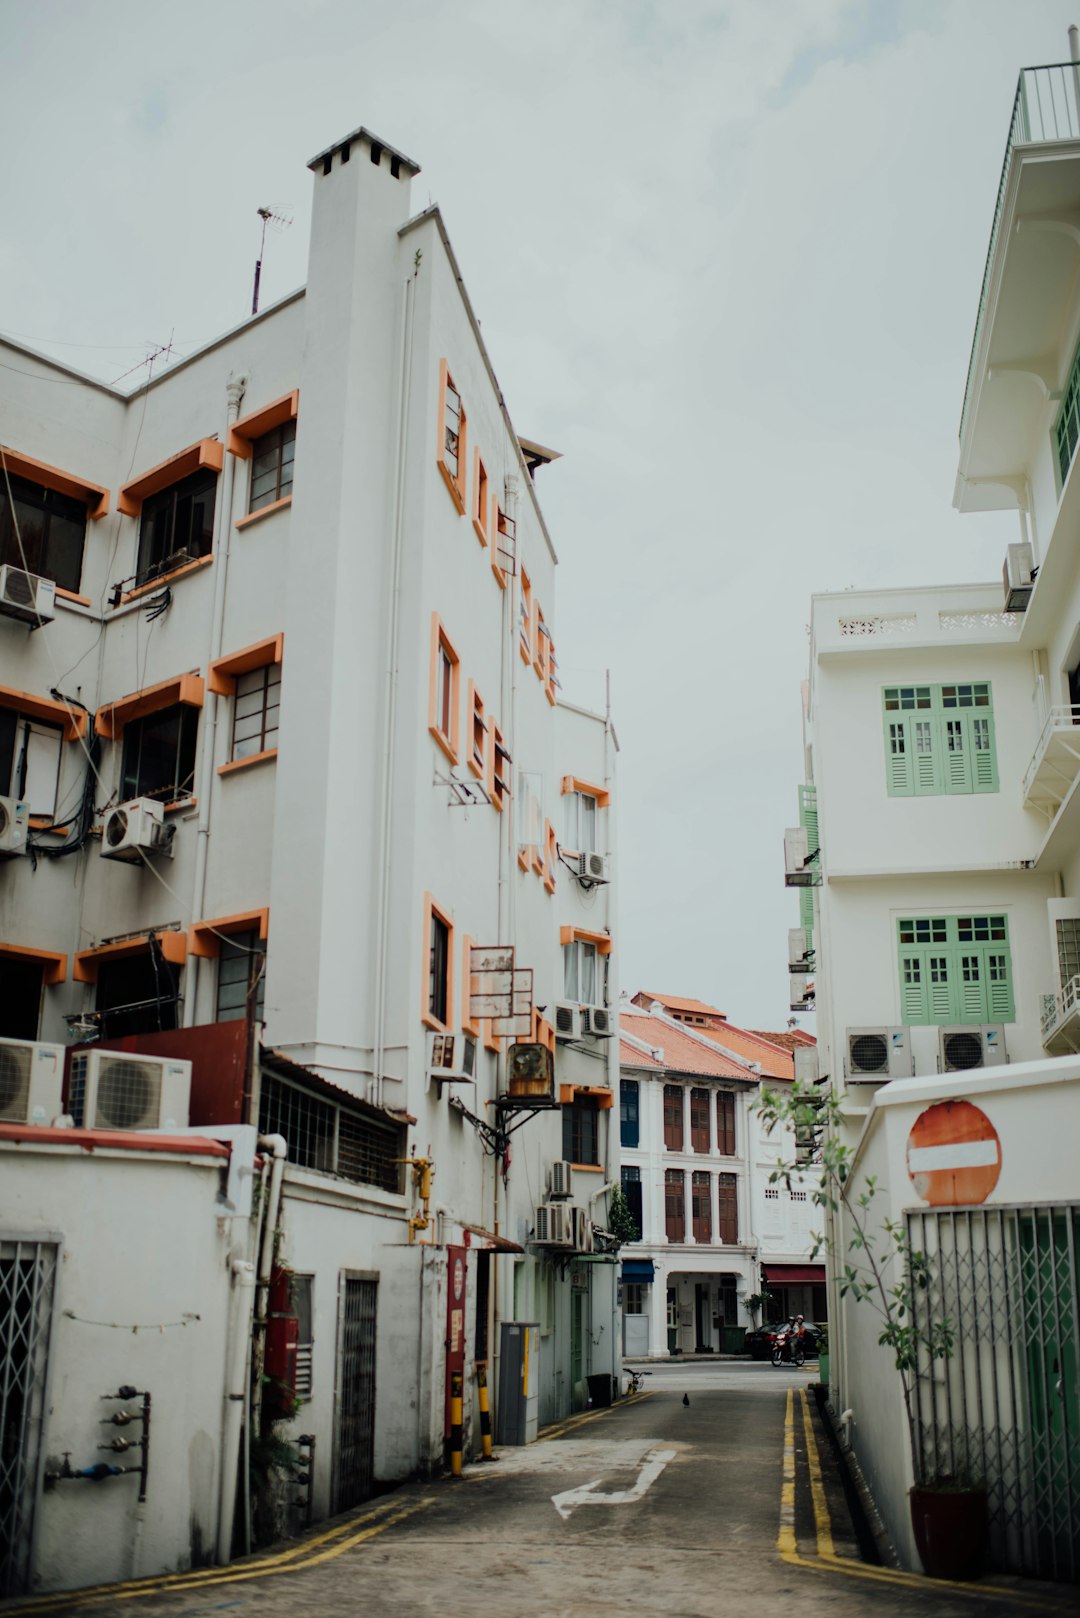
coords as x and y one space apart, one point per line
73 723
263 511
455 485
541 643
471 1025
440 640
222 673
568 1094
204 938
206 452
243 433
53 964
111 719
476 713
51 477
551 854
523 857
165 578
573 935
248 763
497 792
426 1016
481 498
574 783
492 1040
88 961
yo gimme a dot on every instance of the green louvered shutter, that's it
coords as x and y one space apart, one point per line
806 915
899 772
999 994
926 740
808 817
914 1005
984 776
940 995
971 994
956 736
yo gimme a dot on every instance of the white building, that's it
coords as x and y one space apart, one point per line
695 1169
938 856
294 600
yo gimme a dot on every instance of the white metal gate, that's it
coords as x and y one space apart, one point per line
354 1430
27 1284
1004 1409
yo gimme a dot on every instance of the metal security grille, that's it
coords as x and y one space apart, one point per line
354 1470
329 1137
1004 1409
27 1281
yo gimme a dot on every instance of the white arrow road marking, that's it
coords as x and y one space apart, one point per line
585 1495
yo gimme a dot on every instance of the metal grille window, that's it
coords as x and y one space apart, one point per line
241 983
303 1288
701 1205
728 1197
255 711
673 1117
675 1205
272 466
699 1120
629 1112
27 1280
725 1123
1068 948
177 525
331 1137
52 528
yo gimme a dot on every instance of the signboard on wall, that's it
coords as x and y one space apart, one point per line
953 1155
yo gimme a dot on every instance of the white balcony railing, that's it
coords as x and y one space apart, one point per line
1061 1019
1055 763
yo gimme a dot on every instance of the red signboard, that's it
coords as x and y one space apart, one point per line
456 1258
953 1154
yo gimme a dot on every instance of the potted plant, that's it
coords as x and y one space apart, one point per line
879 1267
823 1355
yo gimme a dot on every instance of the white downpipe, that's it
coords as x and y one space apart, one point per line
243 1278
390 704
234 393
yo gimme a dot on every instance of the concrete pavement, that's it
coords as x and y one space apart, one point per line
726 1505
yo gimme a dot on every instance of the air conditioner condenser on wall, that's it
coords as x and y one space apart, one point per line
453 1058
593 868
31 1081
1019 577
26 596
597 1021
965 1047
136 828
14 826
567 1022
112 1090
554 1225
800 958
560 1181
875 1055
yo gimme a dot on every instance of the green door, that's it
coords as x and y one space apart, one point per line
1049 1245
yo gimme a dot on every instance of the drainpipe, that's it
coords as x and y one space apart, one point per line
278 1147
232 1435
1074 44
234 393
390 702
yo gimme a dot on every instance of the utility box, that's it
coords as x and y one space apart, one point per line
517 1415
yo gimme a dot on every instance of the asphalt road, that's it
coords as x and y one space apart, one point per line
725 1505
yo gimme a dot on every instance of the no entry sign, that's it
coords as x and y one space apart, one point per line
953 1154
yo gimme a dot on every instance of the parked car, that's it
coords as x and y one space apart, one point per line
759 1343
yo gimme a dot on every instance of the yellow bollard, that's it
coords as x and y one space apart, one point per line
485 1408
456 1402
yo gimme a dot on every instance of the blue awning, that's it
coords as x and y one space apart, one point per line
637 1269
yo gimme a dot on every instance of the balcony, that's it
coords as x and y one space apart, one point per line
1055 763
1046 109
1061 1020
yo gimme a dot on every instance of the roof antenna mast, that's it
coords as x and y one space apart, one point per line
280 222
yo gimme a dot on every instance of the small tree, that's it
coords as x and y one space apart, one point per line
621 1223
877 1265
758 1301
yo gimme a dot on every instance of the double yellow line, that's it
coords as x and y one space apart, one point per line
827 1560
570 1422
320 1548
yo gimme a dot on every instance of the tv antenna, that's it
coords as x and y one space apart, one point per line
277 222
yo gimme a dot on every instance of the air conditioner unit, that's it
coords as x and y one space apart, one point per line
798 872
807 1067
1019 577
112 1090
14 825
453 1058
567 1022
960 1049
597 1021
134 829
593 868
801 993
583 1231
554 1226
875 1055
26 596
560 1181
31 1082
800 958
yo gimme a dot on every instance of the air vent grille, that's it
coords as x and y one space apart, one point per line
963 1051
869 1053
128 1095
14 1082
20 588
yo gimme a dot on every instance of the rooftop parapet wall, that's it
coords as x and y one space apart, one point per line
892 620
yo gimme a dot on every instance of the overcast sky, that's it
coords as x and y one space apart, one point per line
727 257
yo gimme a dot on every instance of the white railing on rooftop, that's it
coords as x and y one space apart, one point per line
1061 717
1046 108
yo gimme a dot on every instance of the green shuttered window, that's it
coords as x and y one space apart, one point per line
808 818
955 969
939 739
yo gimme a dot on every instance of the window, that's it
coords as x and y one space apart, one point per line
52 527
445 690
344 1138
633 1298
1067 426
255 711
580 973
272 458
159 754
30 761
1068 948
530 811
728 1223
438 968
452 438
701 1206
481 513
579 822
629 1119
177 525
20 997
498 769
939 739
673 1118
674 1205
725 1123
478 733
504 551
699 1120
139 994
303 1290
241 983
955 969
581 1130
525 618
630 1180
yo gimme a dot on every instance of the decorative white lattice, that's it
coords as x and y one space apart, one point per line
897 623
1000 621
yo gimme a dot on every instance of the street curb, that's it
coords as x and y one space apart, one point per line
875 1546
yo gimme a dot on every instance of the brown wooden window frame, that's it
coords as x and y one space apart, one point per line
727 1225
699 1120
674 1128
675 1205
701 1205
725 1123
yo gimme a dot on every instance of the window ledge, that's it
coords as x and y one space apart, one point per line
587 1168
70 596
481 532
455 492
444 743
263 511
165 578
247 763
433 1023
178 804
